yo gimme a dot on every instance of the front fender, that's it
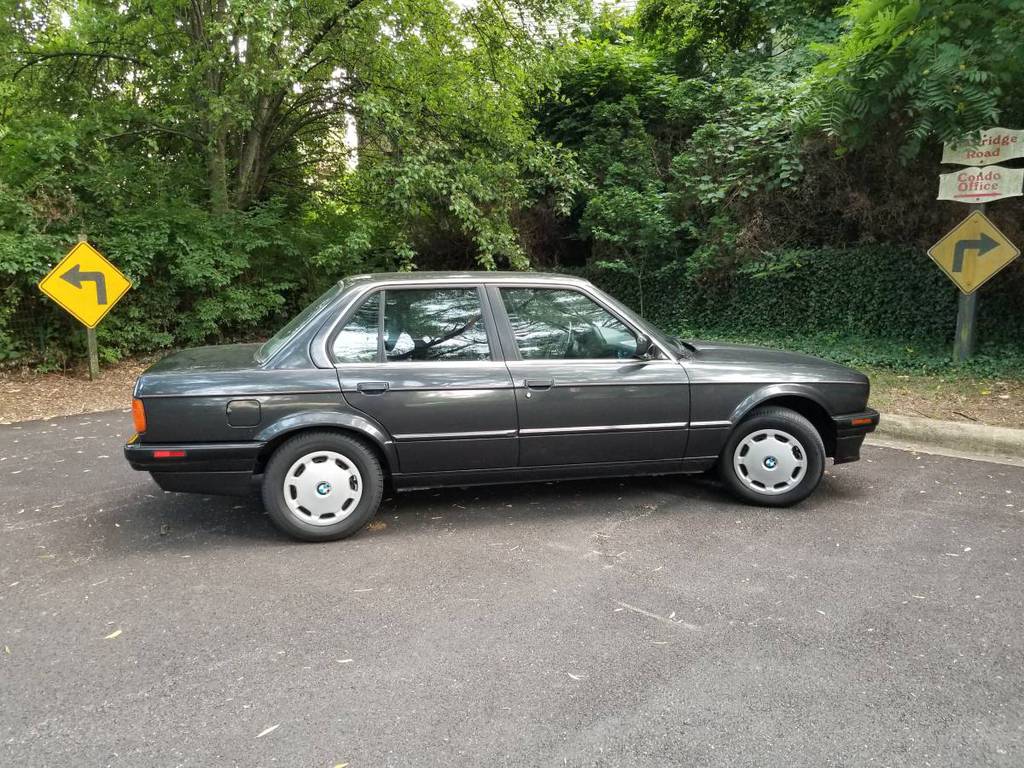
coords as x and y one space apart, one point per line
770 391
352 422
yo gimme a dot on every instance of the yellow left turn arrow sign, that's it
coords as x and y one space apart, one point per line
85 285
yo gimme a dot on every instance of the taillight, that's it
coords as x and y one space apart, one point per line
139 415
168 454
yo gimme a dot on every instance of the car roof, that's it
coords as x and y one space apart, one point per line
470 276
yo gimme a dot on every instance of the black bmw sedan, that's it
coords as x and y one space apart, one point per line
431 379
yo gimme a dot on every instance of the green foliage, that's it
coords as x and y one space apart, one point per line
855 305
675 164
209 149
931 70
695 35
930 357
725 166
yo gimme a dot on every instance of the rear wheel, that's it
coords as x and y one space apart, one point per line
774 458
322 486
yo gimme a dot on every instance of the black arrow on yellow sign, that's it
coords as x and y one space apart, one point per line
76 277
982 245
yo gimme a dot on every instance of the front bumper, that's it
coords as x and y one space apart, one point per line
215 468
851 429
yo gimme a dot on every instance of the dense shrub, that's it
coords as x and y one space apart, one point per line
887 306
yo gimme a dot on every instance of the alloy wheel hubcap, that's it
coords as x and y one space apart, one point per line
322 488
770 461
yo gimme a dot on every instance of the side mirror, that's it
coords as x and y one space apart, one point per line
644 347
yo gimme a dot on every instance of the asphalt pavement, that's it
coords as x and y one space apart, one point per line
645 622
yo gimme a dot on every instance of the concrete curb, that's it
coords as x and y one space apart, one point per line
935 436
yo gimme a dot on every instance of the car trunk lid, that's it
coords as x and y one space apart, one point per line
224 357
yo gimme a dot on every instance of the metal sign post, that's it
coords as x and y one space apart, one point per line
966 316
966 324
90 337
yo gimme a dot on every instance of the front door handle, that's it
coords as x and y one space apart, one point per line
539 383
372 387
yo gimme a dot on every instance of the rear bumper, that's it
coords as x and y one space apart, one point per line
851 429
212 483
215 468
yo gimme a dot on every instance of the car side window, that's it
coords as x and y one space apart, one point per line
357 341
434 325
562 324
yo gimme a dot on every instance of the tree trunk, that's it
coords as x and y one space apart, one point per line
217 172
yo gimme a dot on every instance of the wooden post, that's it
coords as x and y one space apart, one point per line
90 339
966 324
966 318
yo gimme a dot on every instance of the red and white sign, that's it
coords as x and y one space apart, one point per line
981 185
994 146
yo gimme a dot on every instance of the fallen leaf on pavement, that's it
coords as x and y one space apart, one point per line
113 634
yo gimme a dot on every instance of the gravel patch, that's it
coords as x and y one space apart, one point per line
26 395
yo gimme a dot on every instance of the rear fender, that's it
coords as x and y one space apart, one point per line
350 422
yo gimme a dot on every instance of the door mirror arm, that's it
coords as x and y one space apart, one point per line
644 347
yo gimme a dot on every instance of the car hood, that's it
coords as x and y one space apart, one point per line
772 363
222 357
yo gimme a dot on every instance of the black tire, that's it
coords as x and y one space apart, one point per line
787 421
353 449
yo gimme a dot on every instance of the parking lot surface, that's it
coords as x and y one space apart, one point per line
640 622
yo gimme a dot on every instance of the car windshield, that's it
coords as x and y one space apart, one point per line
273 345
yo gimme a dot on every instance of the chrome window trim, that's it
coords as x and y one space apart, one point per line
326 333
327 330
419 365
602 360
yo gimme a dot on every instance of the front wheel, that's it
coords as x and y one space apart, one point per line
774 458
322 486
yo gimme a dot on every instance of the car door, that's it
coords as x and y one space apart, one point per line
423 361
582 395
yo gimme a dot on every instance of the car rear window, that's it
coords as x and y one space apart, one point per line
276 342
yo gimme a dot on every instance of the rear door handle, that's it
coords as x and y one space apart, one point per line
539 383
372 387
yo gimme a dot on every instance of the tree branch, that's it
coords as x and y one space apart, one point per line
39 58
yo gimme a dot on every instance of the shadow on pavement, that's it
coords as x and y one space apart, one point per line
158 520
152 520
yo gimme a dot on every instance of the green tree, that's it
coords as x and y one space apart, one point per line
234 155
926 70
